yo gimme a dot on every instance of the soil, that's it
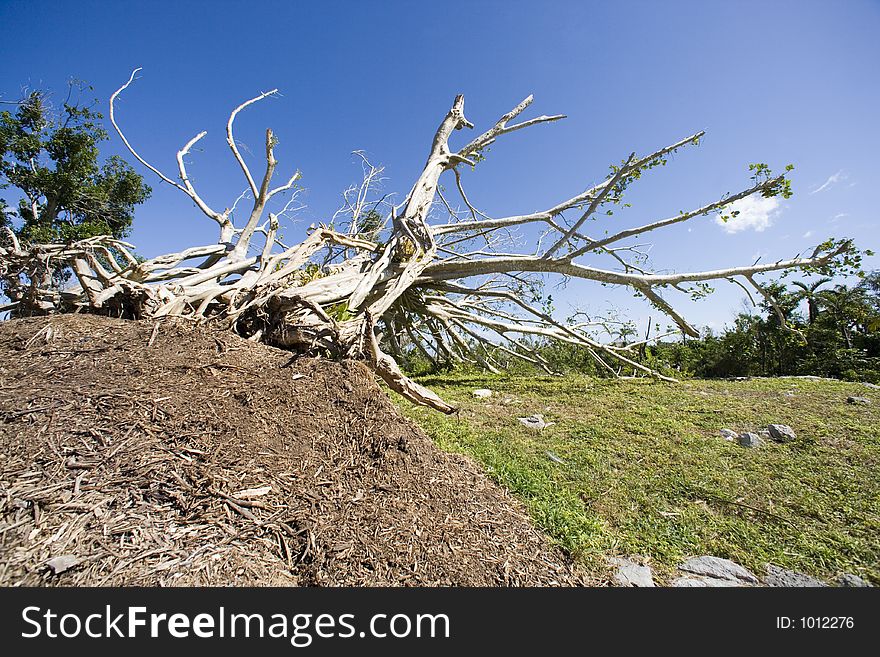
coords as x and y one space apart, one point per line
167 454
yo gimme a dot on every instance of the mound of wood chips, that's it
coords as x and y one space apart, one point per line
134 453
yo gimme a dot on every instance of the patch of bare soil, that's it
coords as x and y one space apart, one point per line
136 455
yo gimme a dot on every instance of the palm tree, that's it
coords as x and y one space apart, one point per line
848 305
810 292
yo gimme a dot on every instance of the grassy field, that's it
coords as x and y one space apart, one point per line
645 471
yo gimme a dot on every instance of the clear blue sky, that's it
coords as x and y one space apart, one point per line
775 82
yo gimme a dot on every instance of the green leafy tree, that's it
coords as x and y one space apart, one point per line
60 191
850 308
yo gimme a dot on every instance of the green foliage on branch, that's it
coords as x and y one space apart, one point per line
49 161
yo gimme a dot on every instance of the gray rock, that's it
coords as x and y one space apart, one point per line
60 564
781 433
777 576
536 422
718 568
863 401
749 439
630 573
482 393
704 582
728 435
871 385
848 579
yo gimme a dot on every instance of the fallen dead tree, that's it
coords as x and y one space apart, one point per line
370 280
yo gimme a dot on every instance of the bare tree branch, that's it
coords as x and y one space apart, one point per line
230 139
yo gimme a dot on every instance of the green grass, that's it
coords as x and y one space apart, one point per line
646 472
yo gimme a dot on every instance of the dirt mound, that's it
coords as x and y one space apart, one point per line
136 455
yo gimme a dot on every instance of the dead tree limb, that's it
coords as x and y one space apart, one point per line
397 277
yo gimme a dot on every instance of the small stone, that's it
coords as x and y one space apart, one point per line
704 582
482 393
728 435
850 580
60 564
863 401
781 433
535 421
777 577
718 568
749 439
553 457
630 573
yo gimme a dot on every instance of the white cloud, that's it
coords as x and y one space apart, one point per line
755 212
839 216
808 234
836 178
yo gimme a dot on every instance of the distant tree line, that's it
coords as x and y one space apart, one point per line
829 330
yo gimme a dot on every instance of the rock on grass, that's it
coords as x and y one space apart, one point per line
749 439
631 573
704 582
850 580
728 435
718 568
781 433
777 577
